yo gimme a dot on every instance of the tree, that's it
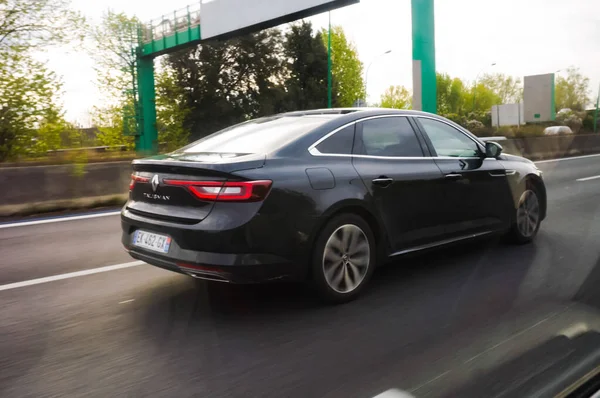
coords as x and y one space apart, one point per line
226 82
113 49
481 98
171 110
507 88
34 24
397 97
28 90
306 61
572 92
450 95
109 120
347 69
27 96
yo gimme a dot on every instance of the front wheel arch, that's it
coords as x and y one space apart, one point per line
541 189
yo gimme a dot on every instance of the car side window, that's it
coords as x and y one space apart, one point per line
339 143
448 141
387 136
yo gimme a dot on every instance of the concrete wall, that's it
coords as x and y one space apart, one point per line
30 184
21 186
537 148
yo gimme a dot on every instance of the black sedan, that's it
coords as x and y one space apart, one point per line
326 196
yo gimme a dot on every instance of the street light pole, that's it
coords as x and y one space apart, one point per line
475 84
329 77
369 67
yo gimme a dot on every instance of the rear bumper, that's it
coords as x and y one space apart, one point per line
222 271
236 245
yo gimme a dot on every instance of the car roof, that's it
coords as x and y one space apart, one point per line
362 111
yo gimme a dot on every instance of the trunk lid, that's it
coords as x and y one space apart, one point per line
154 196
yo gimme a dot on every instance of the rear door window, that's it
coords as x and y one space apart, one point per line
387 137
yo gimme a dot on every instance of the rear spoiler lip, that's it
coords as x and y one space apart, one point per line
228 166
497 138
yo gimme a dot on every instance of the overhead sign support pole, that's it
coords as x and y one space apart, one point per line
147 140
423 45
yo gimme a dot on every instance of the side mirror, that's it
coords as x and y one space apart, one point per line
492 149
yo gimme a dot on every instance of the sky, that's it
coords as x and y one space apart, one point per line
522 37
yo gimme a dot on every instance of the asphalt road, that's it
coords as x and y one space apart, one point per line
426 325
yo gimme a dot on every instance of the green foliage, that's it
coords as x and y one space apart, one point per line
588 121
572 92
507 89
450 95
35 24
456 118
306 62
464 104
113 48
397 97
481 98
347 69
570 118
29 117
113 44
109 121
171 110
54 133
27 93
226 82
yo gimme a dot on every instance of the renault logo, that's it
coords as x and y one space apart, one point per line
154 183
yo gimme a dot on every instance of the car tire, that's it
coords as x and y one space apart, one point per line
343 259
527 217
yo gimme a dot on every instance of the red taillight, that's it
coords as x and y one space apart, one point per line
136 178
237 191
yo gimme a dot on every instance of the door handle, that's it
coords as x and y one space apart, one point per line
498 173
454 176
383 181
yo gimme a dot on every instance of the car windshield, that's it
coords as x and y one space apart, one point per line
257 136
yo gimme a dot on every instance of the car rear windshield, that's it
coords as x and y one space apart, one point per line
257 136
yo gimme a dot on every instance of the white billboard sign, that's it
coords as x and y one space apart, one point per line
225 18
508 115
538 96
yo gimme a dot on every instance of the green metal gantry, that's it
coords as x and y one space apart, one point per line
167 34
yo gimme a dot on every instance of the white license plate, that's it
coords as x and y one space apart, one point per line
152 241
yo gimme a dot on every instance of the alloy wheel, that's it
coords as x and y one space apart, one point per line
346 258
528 214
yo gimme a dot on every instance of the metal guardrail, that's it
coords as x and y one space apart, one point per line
167 25
90 149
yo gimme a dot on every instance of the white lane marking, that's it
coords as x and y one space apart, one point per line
394 393
126 301
569 158
47 279
587 178
51 220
